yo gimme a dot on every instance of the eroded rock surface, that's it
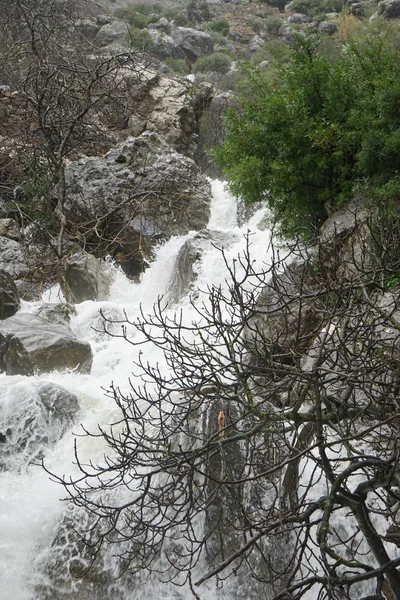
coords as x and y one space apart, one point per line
30 344
33 415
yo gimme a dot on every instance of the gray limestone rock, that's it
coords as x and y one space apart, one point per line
9 228
190 253
139 192
110 33
180 42
34 414
30 344
9 296
84 277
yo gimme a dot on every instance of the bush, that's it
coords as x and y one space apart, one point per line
134 18
198 11
220 26
273 23
178 16
312 8
177 65
304 142
217 62
148 9
140 38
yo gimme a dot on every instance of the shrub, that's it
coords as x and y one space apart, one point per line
273 23
217 62
147 9
305 141
177 65
221 26
134 18
140 38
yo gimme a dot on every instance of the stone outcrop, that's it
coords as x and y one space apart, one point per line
287 318
180 42
111 33
84 277
33 416
169 109
345 240
56 313
9 296
184 274
139 192
30 344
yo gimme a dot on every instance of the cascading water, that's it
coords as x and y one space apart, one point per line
30 510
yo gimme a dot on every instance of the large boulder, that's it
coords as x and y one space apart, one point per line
346 241
180 42
389 9
172 109
9 296
30 344
13 258
191 252
287 317
33 415
111 33
84 277
140 192
9 228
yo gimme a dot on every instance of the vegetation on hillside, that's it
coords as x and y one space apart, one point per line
306 141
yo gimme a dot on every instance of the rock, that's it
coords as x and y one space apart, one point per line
30 344
87 28
165 44
256 43
10 229
184 274
290 35
389 9
172 108
287 316
103 20
33 415
12 258
327 27
110 33
9 296
84 277
299 18
180 42
139 192
193 43
346 240
56 313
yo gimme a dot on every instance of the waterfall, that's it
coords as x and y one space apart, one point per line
30 510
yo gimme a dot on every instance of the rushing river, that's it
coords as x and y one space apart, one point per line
30 507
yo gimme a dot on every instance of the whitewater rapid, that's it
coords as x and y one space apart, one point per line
30 507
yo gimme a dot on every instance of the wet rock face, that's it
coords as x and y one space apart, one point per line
33 415
287 316
9 296
139 192
30 344
83 277
184 274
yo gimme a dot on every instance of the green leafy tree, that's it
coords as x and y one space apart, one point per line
303 143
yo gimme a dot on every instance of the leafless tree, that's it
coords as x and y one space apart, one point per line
77 98
267 444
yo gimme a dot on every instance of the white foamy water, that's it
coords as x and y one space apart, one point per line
30 509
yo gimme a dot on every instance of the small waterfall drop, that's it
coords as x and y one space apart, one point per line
30 510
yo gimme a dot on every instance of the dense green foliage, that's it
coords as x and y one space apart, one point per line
131 15
217 62
305 142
